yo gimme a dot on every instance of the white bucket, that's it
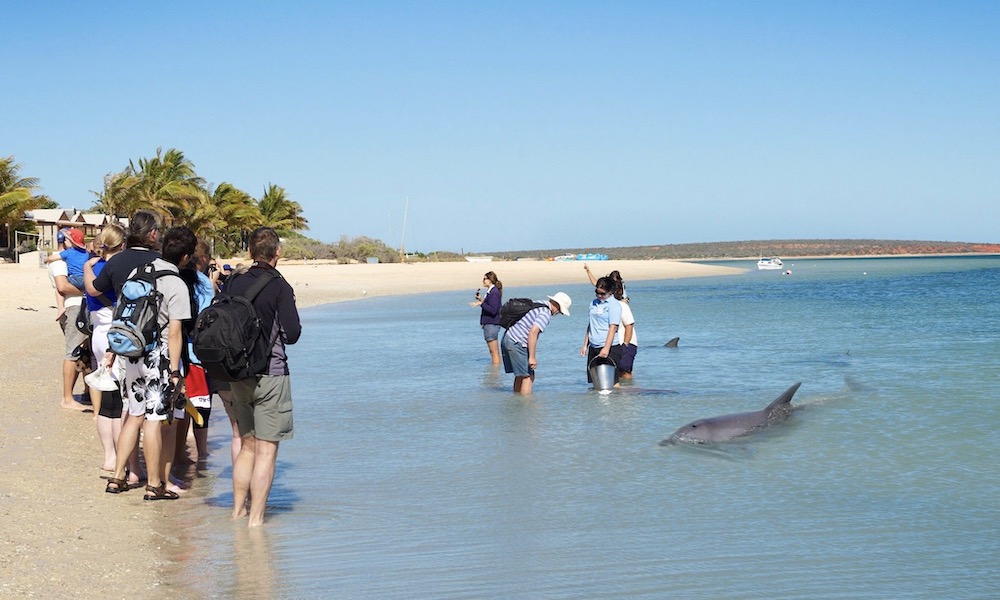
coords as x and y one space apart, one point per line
602 373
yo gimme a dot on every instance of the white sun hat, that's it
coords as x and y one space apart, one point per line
563 301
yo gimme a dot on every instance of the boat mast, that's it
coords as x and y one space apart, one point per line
402 237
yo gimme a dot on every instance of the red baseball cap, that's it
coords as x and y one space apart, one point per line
75 236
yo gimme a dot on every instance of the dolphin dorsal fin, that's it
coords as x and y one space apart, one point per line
672 343
784 398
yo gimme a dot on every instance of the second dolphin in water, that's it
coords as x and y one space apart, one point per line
727 427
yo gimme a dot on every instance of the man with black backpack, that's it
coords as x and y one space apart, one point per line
262 403
520 343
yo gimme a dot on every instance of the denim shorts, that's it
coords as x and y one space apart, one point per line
491 332
515 358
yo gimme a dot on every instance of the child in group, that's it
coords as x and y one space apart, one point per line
75 254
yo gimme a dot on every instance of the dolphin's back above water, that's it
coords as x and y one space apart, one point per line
727 427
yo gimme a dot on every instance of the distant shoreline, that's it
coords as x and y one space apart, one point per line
501 261
845 256
754 249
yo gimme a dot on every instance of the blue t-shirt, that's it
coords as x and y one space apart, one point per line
93 302
603 314
75 259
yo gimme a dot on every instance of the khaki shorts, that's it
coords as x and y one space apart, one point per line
72 335
262 407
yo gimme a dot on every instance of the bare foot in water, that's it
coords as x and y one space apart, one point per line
242 511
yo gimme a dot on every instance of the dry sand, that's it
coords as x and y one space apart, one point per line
62 536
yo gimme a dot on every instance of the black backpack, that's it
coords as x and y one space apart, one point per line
514 310
83 321
228 337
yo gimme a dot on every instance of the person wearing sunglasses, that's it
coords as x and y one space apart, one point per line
489 317
605 316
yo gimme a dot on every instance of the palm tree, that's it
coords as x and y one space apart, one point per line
17 195
279 212
120 196
168 184
233 214
199 214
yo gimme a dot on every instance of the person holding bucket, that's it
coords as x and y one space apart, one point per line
605 316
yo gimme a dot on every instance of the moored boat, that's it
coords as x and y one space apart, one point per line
769 263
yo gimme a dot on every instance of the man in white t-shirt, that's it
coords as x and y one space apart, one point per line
626 337
628 340
59 276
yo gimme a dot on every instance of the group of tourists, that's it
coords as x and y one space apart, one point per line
610 336
156 388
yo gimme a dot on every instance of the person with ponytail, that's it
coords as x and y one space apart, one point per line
489 317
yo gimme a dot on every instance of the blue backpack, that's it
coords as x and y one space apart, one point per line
135 330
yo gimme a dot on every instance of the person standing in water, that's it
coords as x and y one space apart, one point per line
615 276
520 343
262 404
627 336
600 341
489 317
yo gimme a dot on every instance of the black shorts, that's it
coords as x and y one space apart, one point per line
628 358
111 404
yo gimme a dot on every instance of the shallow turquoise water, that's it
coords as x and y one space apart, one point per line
416 473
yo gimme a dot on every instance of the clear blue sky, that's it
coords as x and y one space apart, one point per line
530 125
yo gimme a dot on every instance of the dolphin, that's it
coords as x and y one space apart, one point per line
727 427
672 343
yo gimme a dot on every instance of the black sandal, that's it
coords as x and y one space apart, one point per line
159 493
121 485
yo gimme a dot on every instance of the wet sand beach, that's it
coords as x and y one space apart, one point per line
62 536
